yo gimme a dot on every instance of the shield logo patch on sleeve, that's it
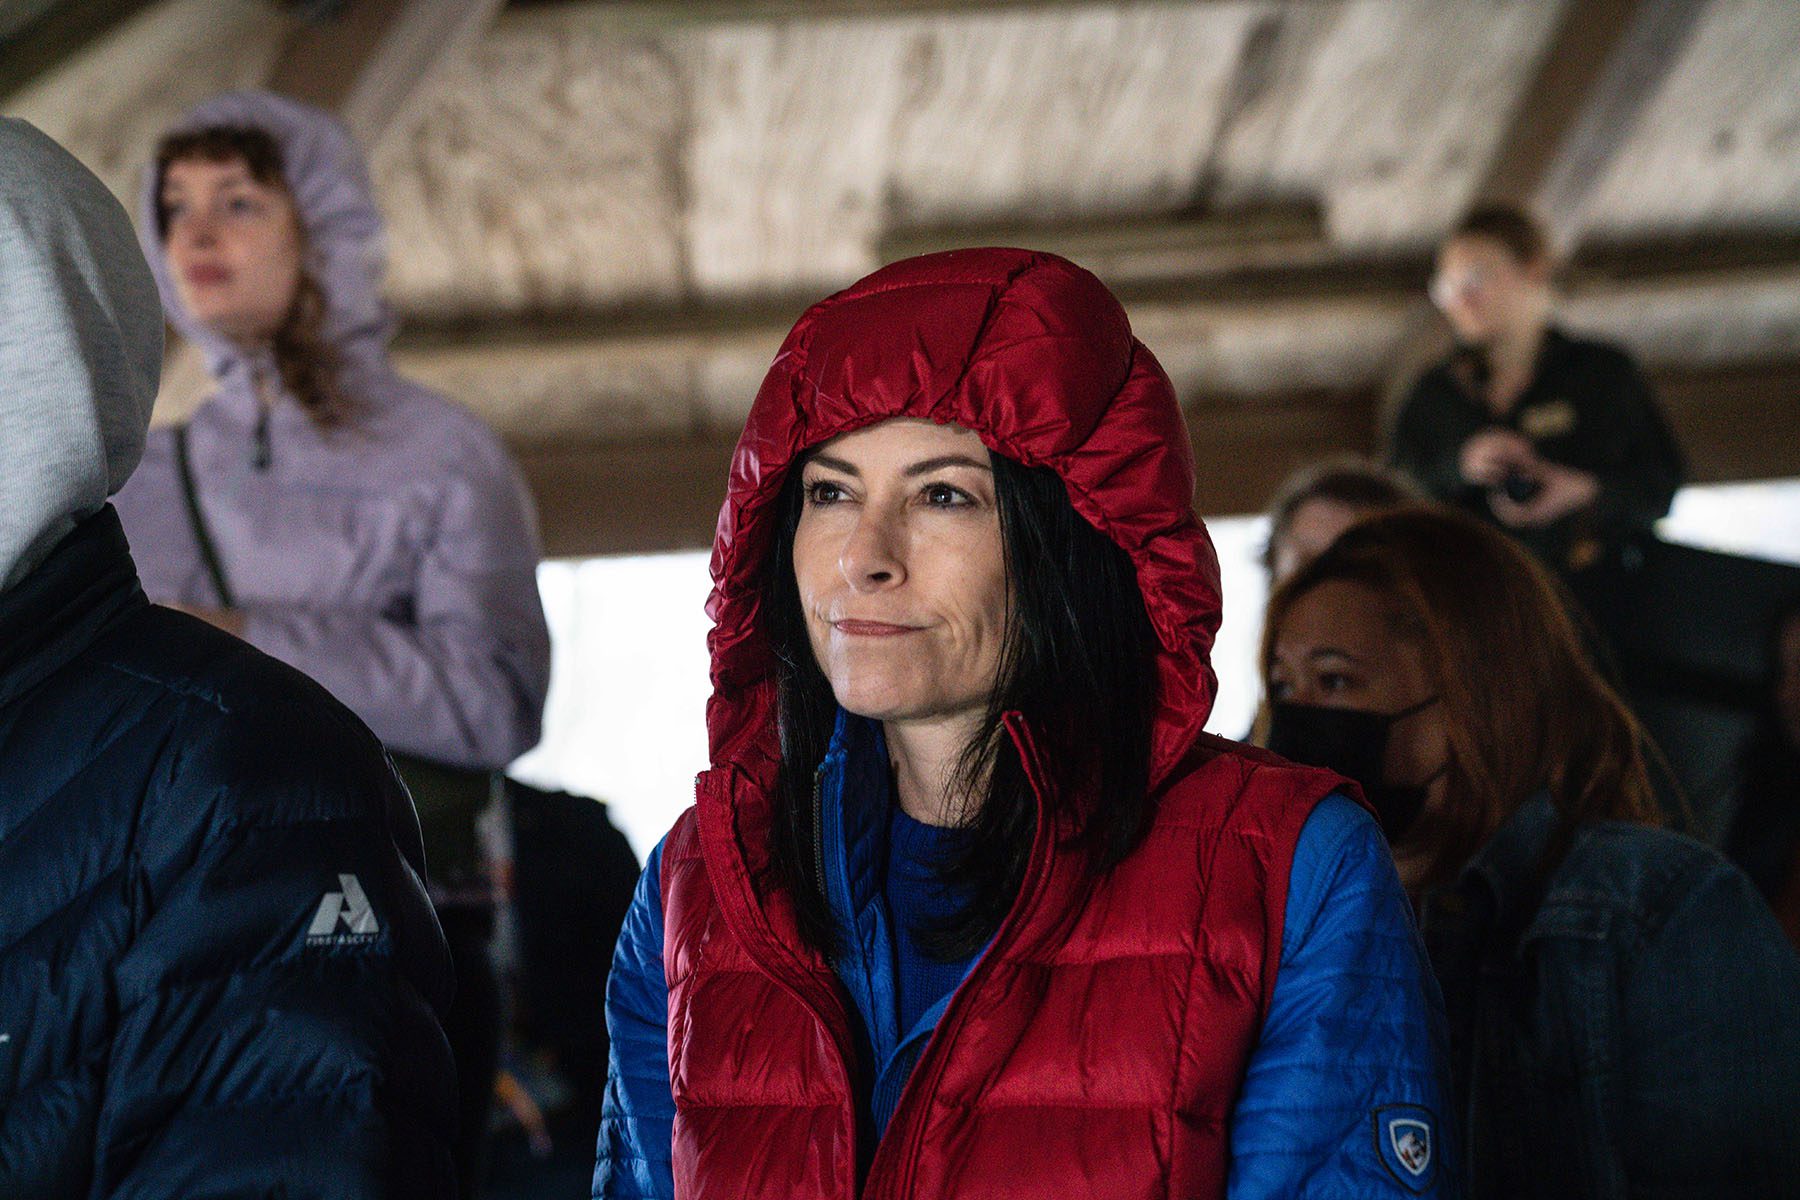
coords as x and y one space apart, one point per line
1406 1140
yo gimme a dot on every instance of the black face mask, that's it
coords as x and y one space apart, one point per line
1352 742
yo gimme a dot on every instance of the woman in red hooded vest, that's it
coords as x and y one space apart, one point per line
968 905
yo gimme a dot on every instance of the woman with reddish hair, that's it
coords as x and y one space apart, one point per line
968 904
1624 1012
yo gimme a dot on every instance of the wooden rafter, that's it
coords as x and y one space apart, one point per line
56 35
1229 287
1602 68
370 59
652 15
1553 100
1734 423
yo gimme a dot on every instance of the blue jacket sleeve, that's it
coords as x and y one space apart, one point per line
1345 1092
638 1120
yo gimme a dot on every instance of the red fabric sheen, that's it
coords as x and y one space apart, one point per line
1099 1044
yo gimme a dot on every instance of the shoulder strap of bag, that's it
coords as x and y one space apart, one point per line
209 553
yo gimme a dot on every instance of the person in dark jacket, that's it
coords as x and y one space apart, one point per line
1624 1011
1764 837
1556 439
219 971
969 905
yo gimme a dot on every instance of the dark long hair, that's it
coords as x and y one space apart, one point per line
1078 662
306 362
1526 709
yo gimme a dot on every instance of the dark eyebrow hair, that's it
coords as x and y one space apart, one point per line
1332 652
947 460
918 468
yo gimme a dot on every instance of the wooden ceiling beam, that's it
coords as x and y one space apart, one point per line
1603 66
1553 100
703 329
371 57
1155 248
57 34
641 16
1631 75
642 497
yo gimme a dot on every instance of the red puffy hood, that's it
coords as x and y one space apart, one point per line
1035 356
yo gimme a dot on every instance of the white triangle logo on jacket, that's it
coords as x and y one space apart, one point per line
343 916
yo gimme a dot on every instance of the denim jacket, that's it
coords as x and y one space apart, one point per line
1629 1026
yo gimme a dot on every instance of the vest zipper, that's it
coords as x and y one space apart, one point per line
1035 875
818 828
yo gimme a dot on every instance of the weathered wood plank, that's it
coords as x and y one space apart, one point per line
654 15
1559 91
38 48
368 61
644 496
1720 145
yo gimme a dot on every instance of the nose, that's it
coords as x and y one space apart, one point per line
871 560
1299 692
194 229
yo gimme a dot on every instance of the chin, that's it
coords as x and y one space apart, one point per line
877 703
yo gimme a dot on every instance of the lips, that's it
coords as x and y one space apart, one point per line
872 628
206 275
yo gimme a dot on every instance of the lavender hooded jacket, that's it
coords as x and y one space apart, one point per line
394 559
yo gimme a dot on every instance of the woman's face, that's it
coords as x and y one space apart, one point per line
901 573
233 247
1485 292
1338 646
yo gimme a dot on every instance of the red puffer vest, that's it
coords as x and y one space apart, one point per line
1097 1048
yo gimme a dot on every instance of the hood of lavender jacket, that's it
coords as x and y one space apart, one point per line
392 558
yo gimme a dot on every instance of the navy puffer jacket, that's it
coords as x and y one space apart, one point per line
219 974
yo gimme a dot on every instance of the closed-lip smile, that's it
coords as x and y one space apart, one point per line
856 628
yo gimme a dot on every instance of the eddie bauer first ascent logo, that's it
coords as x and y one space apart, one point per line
345 918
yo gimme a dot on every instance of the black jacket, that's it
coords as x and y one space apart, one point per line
1587 406
219 974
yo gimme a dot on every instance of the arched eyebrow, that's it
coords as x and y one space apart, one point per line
946 460
925 467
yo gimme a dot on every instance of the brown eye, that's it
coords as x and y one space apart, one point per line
1334 682
942 495
823 491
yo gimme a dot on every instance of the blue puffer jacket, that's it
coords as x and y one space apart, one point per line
1320 1115
219 974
